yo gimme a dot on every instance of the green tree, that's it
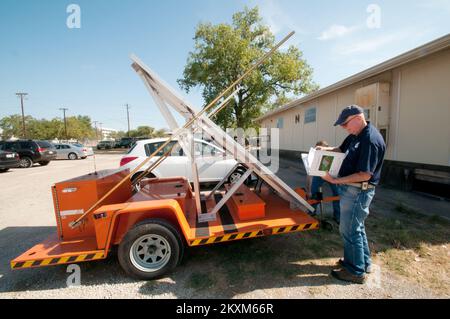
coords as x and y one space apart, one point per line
223 52
160 133
279 101
78 127
142 131
12 125
118 135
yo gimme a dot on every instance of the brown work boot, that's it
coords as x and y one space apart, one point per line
340 264
344 275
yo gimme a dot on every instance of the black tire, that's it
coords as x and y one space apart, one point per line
25 162
158 231
44 163
3 170
72 156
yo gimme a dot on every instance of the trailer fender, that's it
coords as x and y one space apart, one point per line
121 221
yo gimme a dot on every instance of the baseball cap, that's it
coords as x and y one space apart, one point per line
348 111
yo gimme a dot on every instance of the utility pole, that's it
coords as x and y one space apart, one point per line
65 122
128 119
96 131
101 130
22 95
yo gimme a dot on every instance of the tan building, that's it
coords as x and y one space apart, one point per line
407 98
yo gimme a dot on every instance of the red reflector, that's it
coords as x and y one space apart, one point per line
126 160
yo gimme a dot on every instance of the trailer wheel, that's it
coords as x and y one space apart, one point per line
150 249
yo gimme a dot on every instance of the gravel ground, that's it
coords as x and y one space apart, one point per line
26 217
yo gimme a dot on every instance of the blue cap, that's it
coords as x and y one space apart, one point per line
348 111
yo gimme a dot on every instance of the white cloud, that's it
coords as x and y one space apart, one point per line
370 45
336 31
277 19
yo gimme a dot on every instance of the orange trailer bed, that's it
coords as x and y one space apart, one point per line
277 218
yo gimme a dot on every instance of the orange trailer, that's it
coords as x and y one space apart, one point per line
151 227
152 220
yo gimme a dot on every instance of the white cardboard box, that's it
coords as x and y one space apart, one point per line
318 162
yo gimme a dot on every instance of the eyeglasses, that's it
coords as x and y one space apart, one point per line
347 122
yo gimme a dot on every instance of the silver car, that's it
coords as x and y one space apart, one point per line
68 151
89 150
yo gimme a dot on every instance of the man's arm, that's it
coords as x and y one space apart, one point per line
354 178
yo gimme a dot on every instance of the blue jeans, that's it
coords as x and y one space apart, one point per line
316 183
354 211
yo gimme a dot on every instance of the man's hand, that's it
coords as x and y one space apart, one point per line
329 178
330 149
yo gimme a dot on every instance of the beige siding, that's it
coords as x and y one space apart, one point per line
419 113
424 130
326 116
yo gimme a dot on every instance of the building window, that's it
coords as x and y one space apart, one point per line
297 119
367 114
310 115
280 122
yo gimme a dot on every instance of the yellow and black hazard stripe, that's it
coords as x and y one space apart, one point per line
289 229
229 237
56 261
245 235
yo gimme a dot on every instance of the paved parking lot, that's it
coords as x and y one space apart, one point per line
285 266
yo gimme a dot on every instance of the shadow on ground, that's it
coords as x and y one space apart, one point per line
228 269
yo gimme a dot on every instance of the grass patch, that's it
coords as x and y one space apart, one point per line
428 265
396 260
436 219
414 246
402 240
408 211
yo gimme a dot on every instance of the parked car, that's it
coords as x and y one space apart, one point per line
8 160
69 151
125 142
212 163
31 151
105 145
89 150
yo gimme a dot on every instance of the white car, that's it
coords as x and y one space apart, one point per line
212 163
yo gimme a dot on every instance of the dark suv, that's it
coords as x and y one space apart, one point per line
8 160
125 142
30 151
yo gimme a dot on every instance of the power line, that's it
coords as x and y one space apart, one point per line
22 95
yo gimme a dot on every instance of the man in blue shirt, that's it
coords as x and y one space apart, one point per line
358 176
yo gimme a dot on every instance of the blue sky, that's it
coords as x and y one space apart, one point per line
88 69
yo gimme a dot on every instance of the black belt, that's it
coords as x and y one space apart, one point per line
363 186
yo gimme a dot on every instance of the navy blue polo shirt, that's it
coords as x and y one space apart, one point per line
365 153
